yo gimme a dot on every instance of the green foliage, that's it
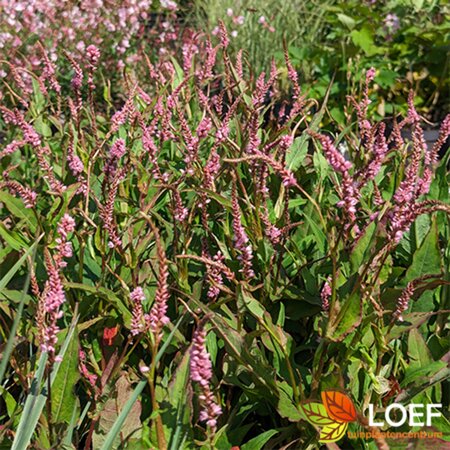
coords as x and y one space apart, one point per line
403 40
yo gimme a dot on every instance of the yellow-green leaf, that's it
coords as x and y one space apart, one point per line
316 414
333 432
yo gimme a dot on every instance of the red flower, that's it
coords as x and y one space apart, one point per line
109 334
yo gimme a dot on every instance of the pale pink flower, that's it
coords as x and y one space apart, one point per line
403 301
28 196
241 239
54 297
158 313
201 373
137 321
325 295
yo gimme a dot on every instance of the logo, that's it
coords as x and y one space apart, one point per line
417 414
332 415
337 410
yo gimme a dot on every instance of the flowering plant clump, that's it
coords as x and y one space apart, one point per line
185 264
127 32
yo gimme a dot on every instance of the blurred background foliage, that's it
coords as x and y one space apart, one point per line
407 41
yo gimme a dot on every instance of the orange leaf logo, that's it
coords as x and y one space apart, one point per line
339 406
332 416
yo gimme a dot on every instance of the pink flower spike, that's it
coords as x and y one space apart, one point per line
201 373
157 317
137 321
224 40
403 301
241 239
93 55
325 295
370 75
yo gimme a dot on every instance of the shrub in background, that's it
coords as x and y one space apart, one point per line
406 41
195 263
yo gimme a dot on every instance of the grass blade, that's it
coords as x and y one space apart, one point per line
30 402
8 277
18 315
37 398
168 340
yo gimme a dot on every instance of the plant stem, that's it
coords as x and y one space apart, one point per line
162 444
322 350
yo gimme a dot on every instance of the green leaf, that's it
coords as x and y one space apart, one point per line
12 238
363 248
442 424
321 165
176 405
320 237
338 115
38 99
221 440
106 294
9 401
418 351
236 346
286 406
168 340
16 208
258 442
31 412
347 21
410 321
421 374
348 318
121 417
221 200
255 307
71 428
8 277
63 396
296 153
418 4
427 381
427 258
42 127
364 39
279 205
386 78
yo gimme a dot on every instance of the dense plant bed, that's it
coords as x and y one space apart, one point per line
182 272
